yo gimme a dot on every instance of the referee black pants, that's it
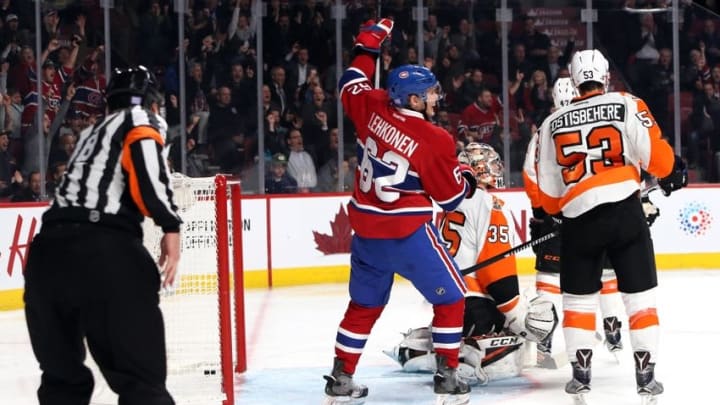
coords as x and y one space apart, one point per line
618 230
88 282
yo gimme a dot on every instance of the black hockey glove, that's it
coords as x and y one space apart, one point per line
650 210
469 174
541 224
676 180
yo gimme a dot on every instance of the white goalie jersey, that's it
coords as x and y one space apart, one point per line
478 229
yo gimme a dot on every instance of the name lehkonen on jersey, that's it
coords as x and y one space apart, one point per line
390 134
589 115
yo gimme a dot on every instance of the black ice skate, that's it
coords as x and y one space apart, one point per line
613 342
341 389
449 388
580 383
647 386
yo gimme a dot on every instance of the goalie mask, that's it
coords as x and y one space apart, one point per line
485 162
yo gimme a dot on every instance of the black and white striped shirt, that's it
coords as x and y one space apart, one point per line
118 173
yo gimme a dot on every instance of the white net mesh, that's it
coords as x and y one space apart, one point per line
190 309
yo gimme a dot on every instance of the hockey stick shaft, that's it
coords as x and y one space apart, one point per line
377 61
509 252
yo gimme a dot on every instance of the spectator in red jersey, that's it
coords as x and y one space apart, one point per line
480 121
51 97
90 84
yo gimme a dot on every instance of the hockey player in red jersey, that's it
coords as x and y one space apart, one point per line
498 319
406 163
588 169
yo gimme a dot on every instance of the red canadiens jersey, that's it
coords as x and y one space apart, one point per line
405 161
51 99
474 117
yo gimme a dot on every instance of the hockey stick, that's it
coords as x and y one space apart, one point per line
509 252
377 61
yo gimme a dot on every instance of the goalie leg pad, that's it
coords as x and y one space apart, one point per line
494 357
415 343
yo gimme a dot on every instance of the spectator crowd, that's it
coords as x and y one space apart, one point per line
300 136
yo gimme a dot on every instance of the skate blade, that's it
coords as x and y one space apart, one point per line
346 400
450 399
648 399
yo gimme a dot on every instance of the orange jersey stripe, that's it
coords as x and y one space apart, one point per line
609 287
661 153
495 244
550 204
611 176
644 319
508 306
473 285
580 320
137 134
551 288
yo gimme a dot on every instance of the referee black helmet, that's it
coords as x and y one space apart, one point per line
132 86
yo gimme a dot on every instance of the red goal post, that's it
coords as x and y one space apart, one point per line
204 311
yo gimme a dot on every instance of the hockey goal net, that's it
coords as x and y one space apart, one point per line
203 312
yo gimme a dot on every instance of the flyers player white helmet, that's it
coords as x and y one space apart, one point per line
589 66
485 162
563 92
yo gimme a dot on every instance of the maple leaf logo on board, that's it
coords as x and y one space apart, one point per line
339 239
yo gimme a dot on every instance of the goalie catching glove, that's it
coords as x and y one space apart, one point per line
373 34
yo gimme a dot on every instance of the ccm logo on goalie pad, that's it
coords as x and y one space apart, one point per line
504 341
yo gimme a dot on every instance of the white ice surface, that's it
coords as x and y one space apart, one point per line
291 333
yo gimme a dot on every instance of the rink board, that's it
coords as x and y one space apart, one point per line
296 240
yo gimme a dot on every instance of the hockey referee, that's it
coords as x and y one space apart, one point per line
88 275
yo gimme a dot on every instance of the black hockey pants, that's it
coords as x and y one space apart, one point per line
618 230
83 281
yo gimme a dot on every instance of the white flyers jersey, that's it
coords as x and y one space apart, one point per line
591 151
480 228
530 172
